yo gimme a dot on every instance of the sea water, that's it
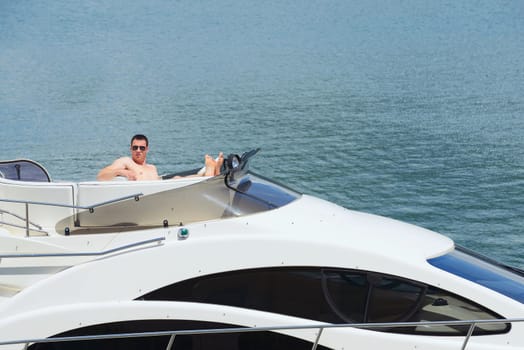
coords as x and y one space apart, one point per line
412 110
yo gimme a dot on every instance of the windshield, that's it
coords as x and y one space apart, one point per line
215 198
499 278
255 191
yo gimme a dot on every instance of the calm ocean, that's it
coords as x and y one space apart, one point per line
408 109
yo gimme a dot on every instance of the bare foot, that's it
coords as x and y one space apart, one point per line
219 162
210 166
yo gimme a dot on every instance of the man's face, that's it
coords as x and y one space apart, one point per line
139 151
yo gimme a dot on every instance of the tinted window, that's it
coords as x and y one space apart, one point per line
368 297
393 299
348 294
334 296
496 277
253 190
439 305
292 291
361 297
231 341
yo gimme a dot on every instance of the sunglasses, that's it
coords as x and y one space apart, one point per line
135 148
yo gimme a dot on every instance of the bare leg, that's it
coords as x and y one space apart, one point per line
219 162
210 166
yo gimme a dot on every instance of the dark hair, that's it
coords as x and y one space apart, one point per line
140 137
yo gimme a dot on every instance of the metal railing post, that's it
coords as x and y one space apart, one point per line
470 332
315 344
27 219
171 341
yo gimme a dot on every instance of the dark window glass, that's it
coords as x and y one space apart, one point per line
369 297
393 300
291 291
348 294
231 341
335 296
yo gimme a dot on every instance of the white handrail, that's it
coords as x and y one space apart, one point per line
91 208
104 252
320 327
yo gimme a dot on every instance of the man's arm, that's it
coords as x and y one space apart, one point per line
118 168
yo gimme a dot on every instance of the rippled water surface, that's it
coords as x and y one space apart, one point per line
407 109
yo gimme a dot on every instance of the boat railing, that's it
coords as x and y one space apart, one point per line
472 324
38 228
35 226
98 253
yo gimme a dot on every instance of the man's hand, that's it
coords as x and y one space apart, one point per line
131 176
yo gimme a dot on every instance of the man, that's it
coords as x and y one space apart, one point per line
135 167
